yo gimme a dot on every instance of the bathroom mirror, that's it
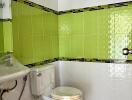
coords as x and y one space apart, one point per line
5 9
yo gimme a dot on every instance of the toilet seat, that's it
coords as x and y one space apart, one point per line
66 93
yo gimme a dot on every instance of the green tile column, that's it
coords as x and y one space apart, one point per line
1 38
7 33
6 37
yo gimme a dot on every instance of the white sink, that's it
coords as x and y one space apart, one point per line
11 72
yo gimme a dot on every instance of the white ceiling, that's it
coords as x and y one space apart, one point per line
74 4
53 4
61 5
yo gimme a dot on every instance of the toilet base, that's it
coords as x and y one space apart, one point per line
37 98
42 98
47 98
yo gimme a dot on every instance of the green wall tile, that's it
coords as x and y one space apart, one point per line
65 24
77 46
35 34
8 40
65 46
77 24
39 35
1 38
98 34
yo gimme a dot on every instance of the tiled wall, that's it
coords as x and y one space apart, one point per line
35 33
7 32
1 38
98 81
39 35
98 34
5 37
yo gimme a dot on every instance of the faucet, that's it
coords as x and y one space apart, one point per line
2 5
127 51
7 59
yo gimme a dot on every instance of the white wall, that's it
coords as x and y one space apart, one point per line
5 12
53 4
1 15
15 93
98 81
61 5
75 4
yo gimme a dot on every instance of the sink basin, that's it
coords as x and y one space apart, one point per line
13 71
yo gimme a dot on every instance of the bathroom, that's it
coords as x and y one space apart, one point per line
87 42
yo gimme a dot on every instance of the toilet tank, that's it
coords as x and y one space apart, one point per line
42 80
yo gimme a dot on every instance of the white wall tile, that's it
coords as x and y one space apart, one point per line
98 81
5 12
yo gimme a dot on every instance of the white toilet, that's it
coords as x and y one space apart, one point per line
43 85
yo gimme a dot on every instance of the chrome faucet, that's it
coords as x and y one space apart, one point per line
7 59
2 5
127 51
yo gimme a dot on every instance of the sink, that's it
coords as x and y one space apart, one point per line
11 69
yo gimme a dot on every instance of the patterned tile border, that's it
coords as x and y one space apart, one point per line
42 62
80 60
115 5
3 20
95 60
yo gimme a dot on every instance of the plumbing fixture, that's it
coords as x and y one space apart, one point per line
7 90
7 59
127 51
2 90
2 5
24 85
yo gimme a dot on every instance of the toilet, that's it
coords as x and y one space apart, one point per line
42 80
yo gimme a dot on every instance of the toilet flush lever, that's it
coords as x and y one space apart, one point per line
127 51
2 5
39 74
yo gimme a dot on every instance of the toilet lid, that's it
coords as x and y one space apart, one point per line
66 93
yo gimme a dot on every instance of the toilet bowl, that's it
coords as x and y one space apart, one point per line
42 79
66 93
